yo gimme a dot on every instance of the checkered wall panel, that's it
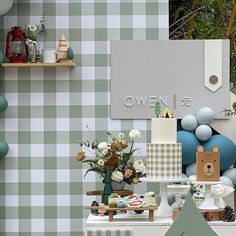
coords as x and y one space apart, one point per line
42 189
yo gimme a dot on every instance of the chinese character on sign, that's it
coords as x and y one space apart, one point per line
186 101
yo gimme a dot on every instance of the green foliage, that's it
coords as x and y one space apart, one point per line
210 20
89 144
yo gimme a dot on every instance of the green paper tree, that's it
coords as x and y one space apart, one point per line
107 188
190 222
157 109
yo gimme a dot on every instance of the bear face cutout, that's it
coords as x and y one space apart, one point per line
208 164
208 169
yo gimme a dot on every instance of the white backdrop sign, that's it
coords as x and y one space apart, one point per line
183 75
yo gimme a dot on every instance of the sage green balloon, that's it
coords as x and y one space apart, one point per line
4 148
1 57
3 104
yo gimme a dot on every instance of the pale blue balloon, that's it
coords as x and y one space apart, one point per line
203 132
226 181
231 174
205 116
170 197
184 176
191 169
189 122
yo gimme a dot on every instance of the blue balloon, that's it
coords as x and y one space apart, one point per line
189 146
3 104
189 122
226 181
203 132
191 169
3 148
226 147
205 116
231 174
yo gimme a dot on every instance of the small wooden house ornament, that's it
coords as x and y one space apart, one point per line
208 164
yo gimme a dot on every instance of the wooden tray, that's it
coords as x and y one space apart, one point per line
111 210
122 193
212 215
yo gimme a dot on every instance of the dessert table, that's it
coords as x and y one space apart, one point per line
139 225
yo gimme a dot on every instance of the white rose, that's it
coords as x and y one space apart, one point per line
117 176
32 27
121 135
134 133
150 194
192 178
102 145
104 151
100 162
139 166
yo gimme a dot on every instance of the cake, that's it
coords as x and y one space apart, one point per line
164 154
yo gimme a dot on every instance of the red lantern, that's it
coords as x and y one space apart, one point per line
16 49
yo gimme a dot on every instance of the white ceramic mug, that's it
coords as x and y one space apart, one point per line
50 55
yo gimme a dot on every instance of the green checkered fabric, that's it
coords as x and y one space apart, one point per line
42 188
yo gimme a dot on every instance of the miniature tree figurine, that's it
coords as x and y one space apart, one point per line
70 54
157 109
62 49
107 188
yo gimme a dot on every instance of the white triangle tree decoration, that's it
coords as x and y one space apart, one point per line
190 222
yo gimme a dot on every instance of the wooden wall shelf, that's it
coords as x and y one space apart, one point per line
68 64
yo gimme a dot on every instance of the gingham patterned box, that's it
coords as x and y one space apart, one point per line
164 160
109 232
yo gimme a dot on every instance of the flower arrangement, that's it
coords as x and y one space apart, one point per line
113 157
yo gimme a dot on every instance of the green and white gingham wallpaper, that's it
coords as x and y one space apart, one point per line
42 189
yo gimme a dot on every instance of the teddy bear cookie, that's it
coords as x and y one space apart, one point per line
208 164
